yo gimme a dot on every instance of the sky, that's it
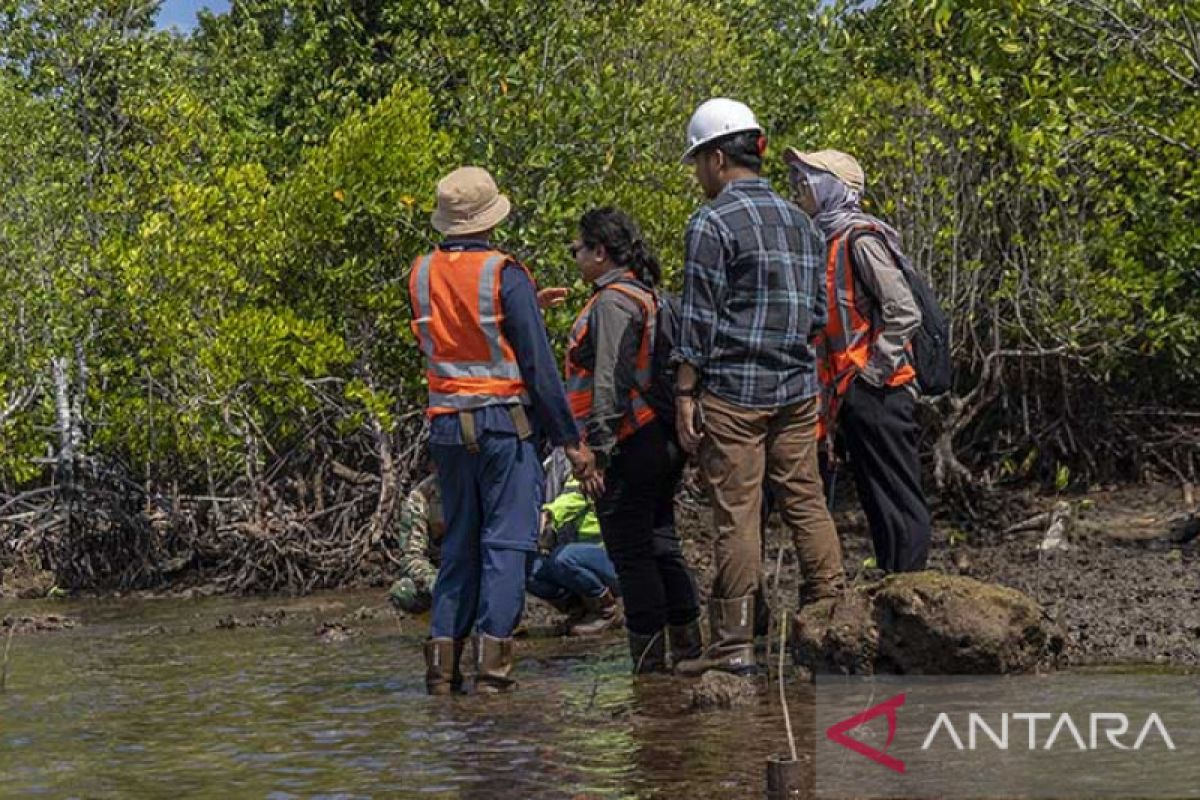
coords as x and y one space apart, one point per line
182 13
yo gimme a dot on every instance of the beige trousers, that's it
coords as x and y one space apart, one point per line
741 448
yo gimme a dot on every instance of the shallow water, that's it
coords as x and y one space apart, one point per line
150 698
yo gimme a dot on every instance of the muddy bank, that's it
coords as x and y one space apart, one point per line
1122 590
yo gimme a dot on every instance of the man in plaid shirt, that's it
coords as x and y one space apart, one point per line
753 298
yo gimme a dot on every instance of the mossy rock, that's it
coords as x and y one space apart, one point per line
719 690
926 623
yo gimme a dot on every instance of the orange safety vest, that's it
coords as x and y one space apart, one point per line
457 319
844 345
580 378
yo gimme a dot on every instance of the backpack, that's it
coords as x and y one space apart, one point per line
931 342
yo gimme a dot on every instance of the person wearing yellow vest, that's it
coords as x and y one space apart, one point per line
869 385
493 394
572 572
608 369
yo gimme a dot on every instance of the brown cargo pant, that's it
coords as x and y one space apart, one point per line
741 447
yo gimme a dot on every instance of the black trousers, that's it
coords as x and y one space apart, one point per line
637 522
879 431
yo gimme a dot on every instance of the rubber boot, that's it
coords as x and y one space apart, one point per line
572 606
443 673
649 653
732 644
762 612
686 641
603 612
493 665
811 592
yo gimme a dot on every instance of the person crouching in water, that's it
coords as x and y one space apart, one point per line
419 536
608 368
572 572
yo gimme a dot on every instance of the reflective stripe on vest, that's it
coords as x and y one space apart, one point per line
457 319
844 346
580 379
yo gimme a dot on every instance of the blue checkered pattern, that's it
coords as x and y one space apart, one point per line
753 297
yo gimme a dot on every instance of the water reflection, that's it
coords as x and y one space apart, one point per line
151 699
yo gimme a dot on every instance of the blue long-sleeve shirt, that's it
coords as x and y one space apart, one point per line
549 413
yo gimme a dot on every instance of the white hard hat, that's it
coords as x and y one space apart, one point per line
717 118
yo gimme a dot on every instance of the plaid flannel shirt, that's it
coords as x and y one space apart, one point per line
753 297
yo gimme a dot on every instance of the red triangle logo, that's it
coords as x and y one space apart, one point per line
837 733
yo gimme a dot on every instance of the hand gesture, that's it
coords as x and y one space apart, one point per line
554 296
583 467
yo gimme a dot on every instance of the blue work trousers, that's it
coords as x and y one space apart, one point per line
572 569
492 505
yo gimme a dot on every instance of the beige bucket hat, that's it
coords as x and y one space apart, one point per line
840 164
468 202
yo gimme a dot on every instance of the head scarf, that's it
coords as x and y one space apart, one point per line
839 208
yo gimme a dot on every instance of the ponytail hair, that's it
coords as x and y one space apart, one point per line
622 240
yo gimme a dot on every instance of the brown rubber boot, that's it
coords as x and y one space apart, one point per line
649 653
813 592
732 645
572 607
603 612
443 674
686 641
493 665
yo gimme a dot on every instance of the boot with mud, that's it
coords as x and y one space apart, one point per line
762 612
830 594
572 606
493 665
687 642
443 673
813 592
649 653
603 613
731 650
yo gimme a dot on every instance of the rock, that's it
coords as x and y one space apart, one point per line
720 690
1060 523
925 623
269 619
330 632
152 630
36 623
364 614
1184 529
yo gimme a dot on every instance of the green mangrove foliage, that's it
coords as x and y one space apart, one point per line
206 237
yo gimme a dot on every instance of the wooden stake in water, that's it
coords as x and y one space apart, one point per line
787 716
